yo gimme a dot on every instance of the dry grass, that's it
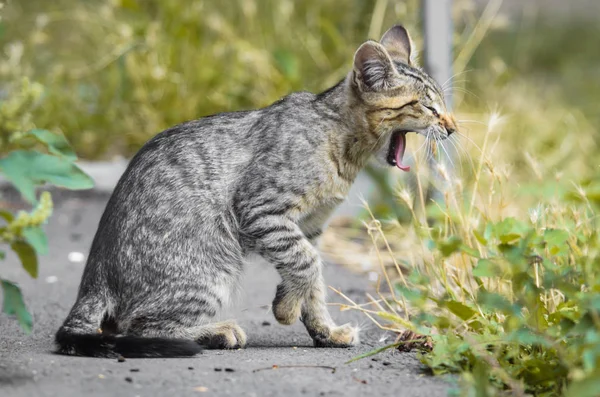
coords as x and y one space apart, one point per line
482 268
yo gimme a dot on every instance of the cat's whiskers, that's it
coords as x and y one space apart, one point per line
472 121
463 90
441 143
453 87
455 153
457 140
430 154
454 84
450 80
413 155
461 152
470 140
453 140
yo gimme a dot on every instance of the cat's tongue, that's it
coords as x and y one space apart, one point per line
400 148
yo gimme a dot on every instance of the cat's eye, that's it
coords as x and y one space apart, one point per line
435 112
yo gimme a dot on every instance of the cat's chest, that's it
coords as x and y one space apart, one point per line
314 220
322 197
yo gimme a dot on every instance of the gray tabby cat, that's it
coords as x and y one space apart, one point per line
199 197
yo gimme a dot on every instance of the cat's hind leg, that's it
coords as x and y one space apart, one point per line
220 335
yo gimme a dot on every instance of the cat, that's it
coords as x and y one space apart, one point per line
200 197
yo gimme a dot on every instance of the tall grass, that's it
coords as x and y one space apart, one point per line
506 295
117 72
499 281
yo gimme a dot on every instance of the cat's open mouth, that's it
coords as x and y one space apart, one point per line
395 155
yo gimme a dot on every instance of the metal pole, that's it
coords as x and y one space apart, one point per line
437 26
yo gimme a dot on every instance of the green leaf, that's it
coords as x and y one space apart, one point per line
450 246
556 240
469 251
587 387
27 256
525 336
481 376
509 237
482 240
287 63
585 323
55 143
130 5
36 237
486 268
7 216
509 229
515 254
495 301
26 169
589 359
555 237
14 305
461 310
411 294
487 233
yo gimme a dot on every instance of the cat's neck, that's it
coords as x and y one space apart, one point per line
336 98
351 135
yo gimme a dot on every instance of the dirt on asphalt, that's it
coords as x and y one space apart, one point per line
278 361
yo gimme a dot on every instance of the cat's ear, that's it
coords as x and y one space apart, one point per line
398 44
373 67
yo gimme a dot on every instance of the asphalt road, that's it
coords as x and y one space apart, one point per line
29 368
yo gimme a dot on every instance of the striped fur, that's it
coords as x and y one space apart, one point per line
200 197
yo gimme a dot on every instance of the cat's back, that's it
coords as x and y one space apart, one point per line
206 158
227 141
194 152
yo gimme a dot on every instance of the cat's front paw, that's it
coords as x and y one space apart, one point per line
343 336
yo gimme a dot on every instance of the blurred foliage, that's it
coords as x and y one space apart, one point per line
540 75
29 158
512 303
534 79
118 72
527 316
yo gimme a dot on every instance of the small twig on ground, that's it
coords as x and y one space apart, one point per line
364 382
296 366
409 340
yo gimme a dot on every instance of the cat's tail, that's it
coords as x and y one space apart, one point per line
99 345
80 336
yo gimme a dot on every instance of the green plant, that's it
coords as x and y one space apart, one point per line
29 158
509 299
118 72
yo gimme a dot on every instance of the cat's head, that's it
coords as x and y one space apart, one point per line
397 96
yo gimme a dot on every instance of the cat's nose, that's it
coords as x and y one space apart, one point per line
449 123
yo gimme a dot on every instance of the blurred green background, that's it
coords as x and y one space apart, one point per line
116 72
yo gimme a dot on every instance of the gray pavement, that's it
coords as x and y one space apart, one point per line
29 368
